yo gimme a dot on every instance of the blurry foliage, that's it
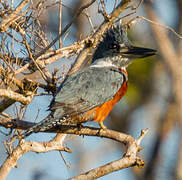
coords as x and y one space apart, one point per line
140 74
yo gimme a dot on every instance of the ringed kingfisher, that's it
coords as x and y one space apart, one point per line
91 93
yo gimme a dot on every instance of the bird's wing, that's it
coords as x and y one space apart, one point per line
85 90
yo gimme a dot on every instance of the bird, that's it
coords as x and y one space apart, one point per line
91 93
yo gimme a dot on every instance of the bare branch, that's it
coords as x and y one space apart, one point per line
43 61
122 163
69 129
60 20
130 159
66 28
13 16
16 96
159 24
27 146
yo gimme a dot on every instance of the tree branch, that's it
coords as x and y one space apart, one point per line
13 16
130 158
66 28
27 146
16 96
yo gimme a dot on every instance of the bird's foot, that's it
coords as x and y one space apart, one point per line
102 126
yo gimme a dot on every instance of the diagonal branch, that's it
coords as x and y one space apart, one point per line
130 159
27 146
122 163
16 96
66 28
13 16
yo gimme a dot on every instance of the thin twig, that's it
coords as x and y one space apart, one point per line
161 25
32 58
60 22
13 16
66 28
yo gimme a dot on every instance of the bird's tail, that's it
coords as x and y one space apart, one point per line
48 123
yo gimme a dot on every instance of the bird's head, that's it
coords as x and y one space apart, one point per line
117 48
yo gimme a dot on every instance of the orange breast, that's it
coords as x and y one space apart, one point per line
101 112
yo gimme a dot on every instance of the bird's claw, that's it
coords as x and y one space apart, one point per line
102 126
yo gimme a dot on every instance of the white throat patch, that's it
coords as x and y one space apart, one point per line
102 63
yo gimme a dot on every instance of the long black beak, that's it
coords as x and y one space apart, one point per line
138 52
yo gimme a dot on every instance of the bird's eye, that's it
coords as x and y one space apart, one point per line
114 46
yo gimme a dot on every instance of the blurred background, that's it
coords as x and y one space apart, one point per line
153 99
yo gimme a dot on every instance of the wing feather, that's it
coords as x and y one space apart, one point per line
86 89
